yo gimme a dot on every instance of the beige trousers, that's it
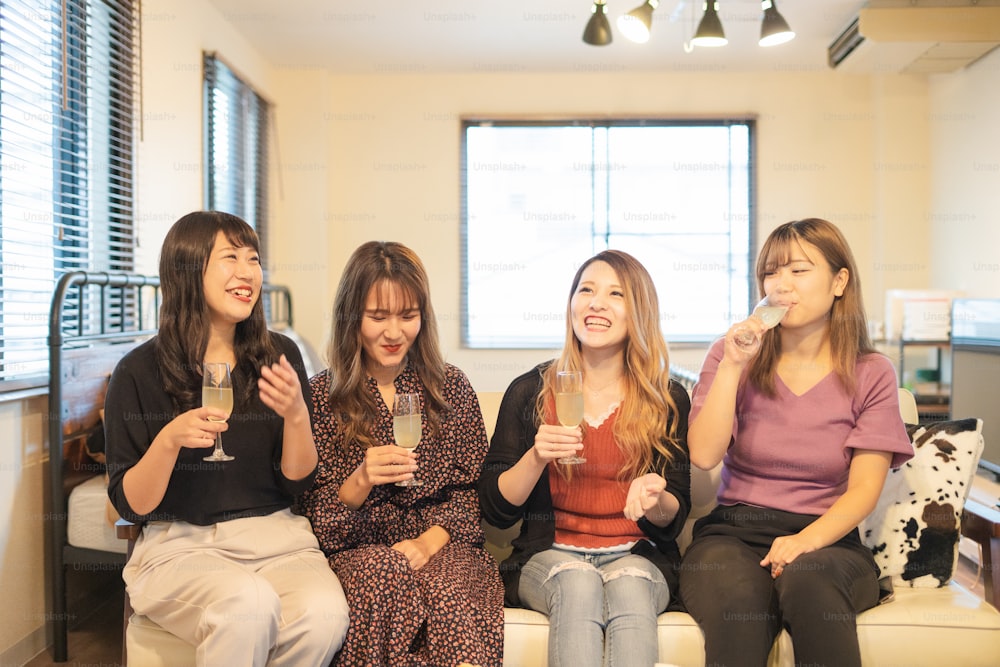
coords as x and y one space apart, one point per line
254 591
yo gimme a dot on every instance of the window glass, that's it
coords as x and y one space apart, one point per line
540 198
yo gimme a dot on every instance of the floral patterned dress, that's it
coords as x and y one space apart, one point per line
447 612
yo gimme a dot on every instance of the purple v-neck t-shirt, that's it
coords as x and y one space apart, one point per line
793 452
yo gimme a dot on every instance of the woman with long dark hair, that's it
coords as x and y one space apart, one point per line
221 562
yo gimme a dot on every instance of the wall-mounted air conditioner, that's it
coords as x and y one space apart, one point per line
917 37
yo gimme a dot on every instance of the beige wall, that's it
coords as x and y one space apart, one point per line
965 212
893 159
175 33
850 148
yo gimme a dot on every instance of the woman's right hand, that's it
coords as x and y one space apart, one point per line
557 442
195 429
551 443
387 464
145 483
741 355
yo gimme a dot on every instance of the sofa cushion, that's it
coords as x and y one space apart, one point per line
915 529
945 626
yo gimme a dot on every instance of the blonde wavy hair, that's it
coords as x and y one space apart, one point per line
646 418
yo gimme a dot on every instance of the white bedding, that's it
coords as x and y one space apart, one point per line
88 526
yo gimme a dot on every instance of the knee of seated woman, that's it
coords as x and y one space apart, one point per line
383 560
650 576
573 567
253 608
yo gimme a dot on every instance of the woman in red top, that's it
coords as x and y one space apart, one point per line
597 549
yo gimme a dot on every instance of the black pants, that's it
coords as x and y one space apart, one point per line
741 609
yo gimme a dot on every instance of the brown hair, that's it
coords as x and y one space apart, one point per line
647 416
848 328
381 265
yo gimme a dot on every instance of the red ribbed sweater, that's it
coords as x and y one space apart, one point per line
588 507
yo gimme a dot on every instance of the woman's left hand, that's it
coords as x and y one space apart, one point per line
643 495
280 389
415 551
783 551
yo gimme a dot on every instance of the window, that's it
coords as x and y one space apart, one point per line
540 198
236 130
66 160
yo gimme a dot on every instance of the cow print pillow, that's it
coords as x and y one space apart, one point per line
914 530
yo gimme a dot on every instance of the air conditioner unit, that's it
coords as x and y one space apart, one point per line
904 36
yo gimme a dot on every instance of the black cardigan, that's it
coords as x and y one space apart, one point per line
515 434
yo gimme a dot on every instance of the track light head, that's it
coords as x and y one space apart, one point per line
636 24
773 27
710 32
598 30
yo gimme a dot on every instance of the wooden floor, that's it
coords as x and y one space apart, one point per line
97 640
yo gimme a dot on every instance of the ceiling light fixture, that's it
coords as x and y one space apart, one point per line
710 32
636 24
773 27
598 30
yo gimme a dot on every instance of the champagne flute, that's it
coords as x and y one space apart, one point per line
569 405
406 426
769 313
217 392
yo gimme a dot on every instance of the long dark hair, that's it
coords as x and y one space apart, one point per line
849 339
381 265
184 319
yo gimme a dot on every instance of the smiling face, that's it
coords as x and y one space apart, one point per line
232 282
598 309
389 326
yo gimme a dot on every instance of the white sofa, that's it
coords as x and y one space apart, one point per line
921 626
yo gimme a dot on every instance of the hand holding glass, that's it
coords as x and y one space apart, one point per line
769 314
569 405
406 426
217 392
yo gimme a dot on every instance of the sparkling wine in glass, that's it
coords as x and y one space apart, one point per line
569 405
769 314
217 392
406 426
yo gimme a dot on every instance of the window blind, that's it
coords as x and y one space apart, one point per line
67 118
237 124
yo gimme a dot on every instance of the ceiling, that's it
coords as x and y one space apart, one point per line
393 36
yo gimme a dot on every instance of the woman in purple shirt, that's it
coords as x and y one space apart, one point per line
806 428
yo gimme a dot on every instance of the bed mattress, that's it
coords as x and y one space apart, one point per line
88 526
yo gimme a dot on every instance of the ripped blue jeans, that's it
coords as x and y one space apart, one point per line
602 608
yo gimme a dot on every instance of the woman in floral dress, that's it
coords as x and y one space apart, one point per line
421 588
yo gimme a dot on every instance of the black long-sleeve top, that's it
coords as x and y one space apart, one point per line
200 492
515 435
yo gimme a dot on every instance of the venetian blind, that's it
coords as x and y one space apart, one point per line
236 135
67 127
